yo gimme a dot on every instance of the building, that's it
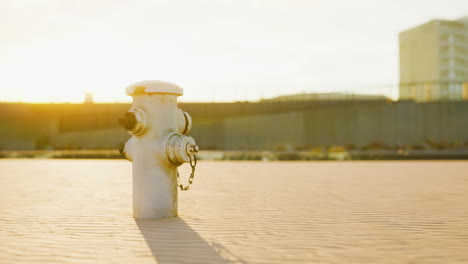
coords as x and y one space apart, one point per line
434 61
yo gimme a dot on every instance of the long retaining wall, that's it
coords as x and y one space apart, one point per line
402 123
244 126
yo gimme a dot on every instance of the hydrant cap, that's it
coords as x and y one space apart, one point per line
150 87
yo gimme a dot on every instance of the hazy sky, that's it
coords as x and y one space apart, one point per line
216 50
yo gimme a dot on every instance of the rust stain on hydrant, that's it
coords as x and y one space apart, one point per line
159 144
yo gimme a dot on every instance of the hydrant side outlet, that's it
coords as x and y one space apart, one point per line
159 144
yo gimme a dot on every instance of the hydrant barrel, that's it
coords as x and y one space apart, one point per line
159 144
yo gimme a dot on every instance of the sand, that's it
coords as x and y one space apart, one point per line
79 211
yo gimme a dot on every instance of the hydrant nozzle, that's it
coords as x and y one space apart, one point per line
159 144
128 121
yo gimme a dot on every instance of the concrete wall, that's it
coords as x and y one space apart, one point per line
419 54
243 126
403 123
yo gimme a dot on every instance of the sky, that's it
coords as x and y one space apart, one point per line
217 50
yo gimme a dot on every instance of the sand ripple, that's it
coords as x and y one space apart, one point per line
79 211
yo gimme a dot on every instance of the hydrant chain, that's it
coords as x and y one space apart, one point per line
193 164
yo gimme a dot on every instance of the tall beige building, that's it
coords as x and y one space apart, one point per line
434 61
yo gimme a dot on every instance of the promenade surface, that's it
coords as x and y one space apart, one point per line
79 211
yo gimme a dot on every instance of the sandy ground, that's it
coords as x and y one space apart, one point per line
79 211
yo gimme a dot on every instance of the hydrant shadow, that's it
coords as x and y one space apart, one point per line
173 241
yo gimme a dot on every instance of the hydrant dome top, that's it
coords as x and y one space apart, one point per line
150 87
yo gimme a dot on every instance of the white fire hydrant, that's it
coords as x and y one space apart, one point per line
159 144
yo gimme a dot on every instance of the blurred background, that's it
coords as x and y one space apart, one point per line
262 79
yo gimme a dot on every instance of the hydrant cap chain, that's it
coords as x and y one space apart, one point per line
152 87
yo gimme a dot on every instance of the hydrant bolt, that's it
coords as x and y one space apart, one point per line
192 148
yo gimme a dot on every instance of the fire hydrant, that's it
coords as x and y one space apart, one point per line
158 146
